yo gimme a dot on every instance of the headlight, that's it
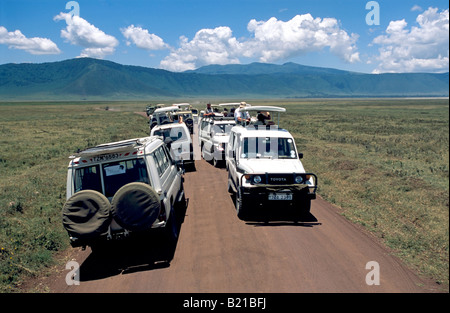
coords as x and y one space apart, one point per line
298 179
256 179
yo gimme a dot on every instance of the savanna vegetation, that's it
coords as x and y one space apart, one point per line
384 163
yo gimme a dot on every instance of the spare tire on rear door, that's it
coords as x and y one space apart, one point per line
135 206
86 215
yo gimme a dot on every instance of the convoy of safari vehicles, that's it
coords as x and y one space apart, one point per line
132 187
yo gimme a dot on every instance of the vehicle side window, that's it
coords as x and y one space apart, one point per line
157 163
162 160
204 125
168 157
164 157
231 140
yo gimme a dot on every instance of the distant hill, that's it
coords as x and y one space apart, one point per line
92 79
264 68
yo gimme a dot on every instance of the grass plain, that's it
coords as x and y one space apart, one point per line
383 162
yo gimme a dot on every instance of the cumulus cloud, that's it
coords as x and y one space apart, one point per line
209 46
35 45
270 41
422 48
277 40
142 38
80 32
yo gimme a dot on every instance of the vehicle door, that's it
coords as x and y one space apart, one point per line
202 131
208 144
233 156
169 180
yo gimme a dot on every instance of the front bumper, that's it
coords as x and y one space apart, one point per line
274 196
268 200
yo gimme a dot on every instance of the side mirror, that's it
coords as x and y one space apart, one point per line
180 166
300 155
168 141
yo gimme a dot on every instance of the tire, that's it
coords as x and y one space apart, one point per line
172 229
135 206
230 187
86 215
303 211
180 209
241 211
170 236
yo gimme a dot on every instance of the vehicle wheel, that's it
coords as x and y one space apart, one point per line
304 208
135 206
171 232
86 214
201 151
240 208
230 186
180 209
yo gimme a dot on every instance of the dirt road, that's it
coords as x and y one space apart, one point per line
217 252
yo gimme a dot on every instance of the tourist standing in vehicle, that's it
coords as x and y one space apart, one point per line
208 111
241 117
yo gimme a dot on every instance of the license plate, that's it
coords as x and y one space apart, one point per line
280 196
105 157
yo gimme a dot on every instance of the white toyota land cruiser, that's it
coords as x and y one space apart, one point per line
213 137
121 189
181 142
265 172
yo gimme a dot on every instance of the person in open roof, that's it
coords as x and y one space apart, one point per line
208 111
241 117
263 118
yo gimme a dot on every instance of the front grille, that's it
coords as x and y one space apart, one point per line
279 179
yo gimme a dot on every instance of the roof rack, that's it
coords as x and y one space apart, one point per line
221 118
118 146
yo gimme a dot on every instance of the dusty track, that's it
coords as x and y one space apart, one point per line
217 252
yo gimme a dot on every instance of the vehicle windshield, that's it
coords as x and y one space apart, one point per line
115 175
174 133
268 147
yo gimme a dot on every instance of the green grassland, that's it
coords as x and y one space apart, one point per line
384 163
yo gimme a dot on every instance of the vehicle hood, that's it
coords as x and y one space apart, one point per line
271 166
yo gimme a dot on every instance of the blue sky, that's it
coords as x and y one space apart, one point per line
412 35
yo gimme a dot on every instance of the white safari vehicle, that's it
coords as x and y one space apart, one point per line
162 116
265 172
213 137
178 135
122 189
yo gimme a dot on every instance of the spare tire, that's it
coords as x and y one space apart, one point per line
86 215
135 206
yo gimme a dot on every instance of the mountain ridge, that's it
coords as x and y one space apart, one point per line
86 78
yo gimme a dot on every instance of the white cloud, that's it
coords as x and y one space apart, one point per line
276 40
273 40
422 48
209 46
81 33
142 38
416 8
35 45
